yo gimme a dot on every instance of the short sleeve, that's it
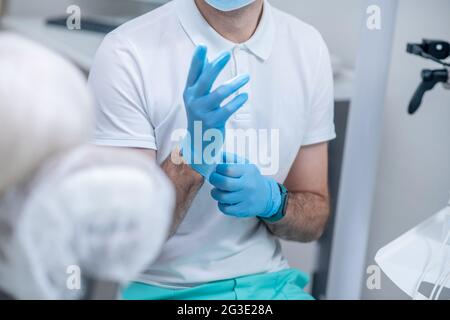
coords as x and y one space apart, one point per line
320 126
117 85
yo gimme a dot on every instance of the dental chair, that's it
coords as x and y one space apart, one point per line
105 213
76 221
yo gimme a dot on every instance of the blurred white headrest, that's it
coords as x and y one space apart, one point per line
45 107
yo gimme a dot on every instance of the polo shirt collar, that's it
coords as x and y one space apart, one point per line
200 32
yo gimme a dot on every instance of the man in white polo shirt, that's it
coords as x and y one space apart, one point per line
271 84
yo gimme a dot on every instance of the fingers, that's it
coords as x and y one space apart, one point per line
225 112
210 74
214 100
225 183
234 170
197 65
227 89
228 157
236 210
227 197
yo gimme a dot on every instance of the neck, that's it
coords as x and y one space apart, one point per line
236 26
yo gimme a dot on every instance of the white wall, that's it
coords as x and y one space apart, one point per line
37 8
338 21
414 166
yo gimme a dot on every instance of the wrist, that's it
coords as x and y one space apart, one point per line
194 158
282 207
181 165
274 202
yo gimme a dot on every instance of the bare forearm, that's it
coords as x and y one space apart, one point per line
187 183
305 219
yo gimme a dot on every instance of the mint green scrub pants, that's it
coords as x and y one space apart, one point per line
284 285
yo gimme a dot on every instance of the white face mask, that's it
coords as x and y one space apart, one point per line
418 262
229 5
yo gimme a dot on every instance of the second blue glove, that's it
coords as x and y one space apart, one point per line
241 190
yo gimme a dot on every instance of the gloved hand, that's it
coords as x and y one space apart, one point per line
242 191
205 113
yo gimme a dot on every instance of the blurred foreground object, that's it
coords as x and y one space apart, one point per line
71 216
44 108
103 211
418 262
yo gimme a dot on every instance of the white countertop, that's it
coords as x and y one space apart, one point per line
80 47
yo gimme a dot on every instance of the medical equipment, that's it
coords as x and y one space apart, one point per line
205 113
436 51
229 5
418 262
71 217
101 215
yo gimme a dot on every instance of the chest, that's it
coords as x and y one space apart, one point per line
268 130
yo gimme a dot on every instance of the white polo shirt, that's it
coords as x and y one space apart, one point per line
138 80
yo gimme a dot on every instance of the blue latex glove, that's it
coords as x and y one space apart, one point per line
205 111
242 191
